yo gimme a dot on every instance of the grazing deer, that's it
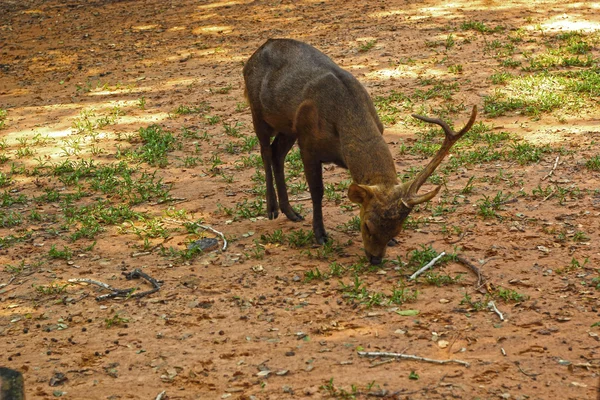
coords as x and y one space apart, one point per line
296 92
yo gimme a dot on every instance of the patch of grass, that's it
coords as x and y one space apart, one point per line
455 69
489 205
9 218
201 108
353 225
222 90
325 252
500 77
300 238
64 254
276 237
525 152
366 46
438 279
156 144
510 295
5 179
52 289
116 320
316 274
402 294
390 107
233 130
480 27
593 163
478 305
3 115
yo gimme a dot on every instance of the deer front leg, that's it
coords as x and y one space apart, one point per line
280 147
314 178
264 132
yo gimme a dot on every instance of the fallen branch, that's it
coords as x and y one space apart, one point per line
426 267
531 375
493 307
410 357
217 232
12 278
553 168
205 227
127 293
472 267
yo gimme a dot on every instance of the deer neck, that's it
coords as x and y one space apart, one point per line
366 154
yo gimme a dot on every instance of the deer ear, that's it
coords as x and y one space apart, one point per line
307 118
359 193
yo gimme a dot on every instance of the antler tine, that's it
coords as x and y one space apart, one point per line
451 137
436 121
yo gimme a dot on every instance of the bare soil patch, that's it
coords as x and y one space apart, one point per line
85 195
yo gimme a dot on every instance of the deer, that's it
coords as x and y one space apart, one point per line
296 93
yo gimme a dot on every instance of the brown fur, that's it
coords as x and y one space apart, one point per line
297 93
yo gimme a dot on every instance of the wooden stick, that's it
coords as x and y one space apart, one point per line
115 292
473 268
217 232
553 168
426 267
12 278
204 227
492 305
410 357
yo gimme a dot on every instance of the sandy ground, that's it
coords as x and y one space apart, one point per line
244 323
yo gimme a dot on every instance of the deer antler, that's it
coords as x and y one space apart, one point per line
411 198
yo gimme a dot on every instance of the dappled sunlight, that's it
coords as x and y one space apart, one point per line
123 127
177 29
214 29
567 22
388 13
392 73
218 4
145 27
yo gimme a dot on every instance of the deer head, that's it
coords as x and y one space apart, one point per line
384 208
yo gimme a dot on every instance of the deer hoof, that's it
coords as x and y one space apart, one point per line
320 236
293 216
273 214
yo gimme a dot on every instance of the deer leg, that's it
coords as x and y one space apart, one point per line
264 133
314 178
280 147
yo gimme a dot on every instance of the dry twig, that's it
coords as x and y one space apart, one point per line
410 357
136 273
553 168
472 267
493 307
12 278
429 265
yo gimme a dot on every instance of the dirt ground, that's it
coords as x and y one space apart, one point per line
249 322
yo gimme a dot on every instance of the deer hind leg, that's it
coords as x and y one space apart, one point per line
280 148
264 132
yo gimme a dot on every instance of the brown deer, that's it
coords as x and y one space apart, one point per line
296 92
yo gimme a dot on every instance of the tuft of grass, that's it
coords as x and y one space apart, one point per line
64 254
201 108
593 163
156 144
480 27
366 46
3 115
116 320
